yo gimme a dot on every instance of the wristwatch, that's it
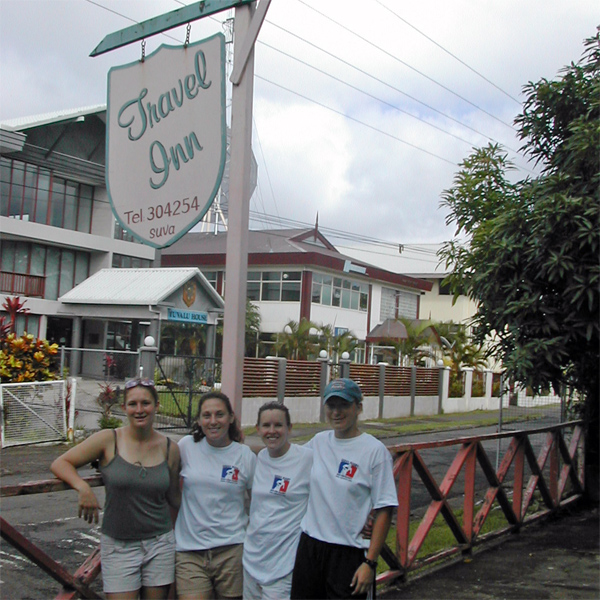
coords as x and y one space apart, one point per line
371 563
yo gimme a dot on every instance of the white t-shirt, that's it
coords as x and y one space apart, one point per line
279 499
349 478
212 504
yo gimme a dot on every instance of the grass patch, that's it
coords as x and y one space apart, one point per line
172 404
440 537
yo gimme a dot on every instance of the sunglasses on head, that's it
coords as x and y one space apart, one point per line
135 382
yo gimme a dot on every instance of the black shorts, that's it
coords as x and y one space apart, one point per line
324 570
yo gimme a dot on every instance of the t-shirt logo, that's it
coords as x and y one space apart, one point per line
347 469
280 485
230 474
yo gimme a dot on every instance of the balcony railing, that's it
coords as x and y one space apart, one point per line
24 285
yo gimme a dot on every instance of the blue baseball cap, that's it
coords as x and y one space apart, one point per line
343 388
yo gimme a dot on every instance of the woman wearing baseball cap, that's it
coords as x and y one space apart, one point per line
351 475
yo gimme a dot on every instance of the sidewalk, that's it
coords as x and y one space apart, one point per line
399 430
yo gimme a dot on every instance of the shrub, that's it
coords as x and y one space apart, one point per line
457 389
108 422
478 389
25 358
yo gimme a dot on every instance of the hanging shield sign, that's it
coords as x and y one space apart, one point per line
166 139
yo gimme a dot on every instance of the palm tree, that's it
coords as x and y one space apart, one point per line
416 345
335 344
252 328
345 342
296 340
458 351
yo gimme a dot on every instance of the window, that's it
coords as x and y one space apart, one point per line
274 286
444 288
211 277
337 291
84 216
120 261
31 193
57 202
52 273
397 303
123 234
71 194
43 194
61 269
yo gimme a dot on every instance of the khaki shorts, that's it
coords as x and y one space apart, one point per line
207 573
131 565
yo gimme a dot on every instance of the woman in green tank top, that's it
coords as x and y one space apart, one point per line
140 468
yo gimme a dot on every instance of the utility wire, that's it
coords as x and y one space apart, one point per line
266 168
288 223
462 62
367 93
394 137
407 65
339 59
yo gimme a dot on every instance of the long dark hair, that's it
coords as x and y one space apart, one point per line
235 432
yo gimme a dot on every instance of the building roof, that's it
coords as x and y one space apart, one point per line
147 287
291 248
417 260
22 123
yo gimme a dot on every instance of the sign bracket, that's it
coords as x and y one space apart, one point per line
156 25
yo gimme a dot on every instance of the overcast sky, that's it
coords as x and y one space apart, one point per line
361 112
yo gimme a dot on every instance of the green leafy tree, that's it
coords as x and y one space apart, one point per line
531 256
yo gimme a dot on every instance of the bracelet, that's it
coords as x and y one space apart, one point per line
371 563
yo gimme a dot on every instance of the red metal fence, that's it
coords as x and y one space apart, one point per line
427 382
556 474
74 585
367 377
397 381
260 378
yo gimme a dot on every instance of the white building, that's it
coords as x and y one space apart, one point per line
298 273
421 261
86 282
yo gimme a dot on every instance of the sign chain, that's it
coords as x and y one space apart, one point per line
187 34
143 50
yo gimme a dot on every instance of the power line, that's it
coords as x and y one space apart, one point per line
407 65
288 223
366 93
357 120
329 108
462 62
390 86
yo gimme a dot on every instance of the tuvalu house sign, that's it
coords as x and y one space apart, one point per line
166 139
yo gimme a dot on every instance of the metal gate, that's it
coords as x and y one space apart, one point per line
33 412
180 381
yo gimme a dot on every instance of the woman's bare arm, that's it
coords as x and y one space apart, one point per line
65 468
174 493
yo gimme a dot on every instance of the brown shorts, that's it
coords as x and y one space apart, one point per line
217 571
